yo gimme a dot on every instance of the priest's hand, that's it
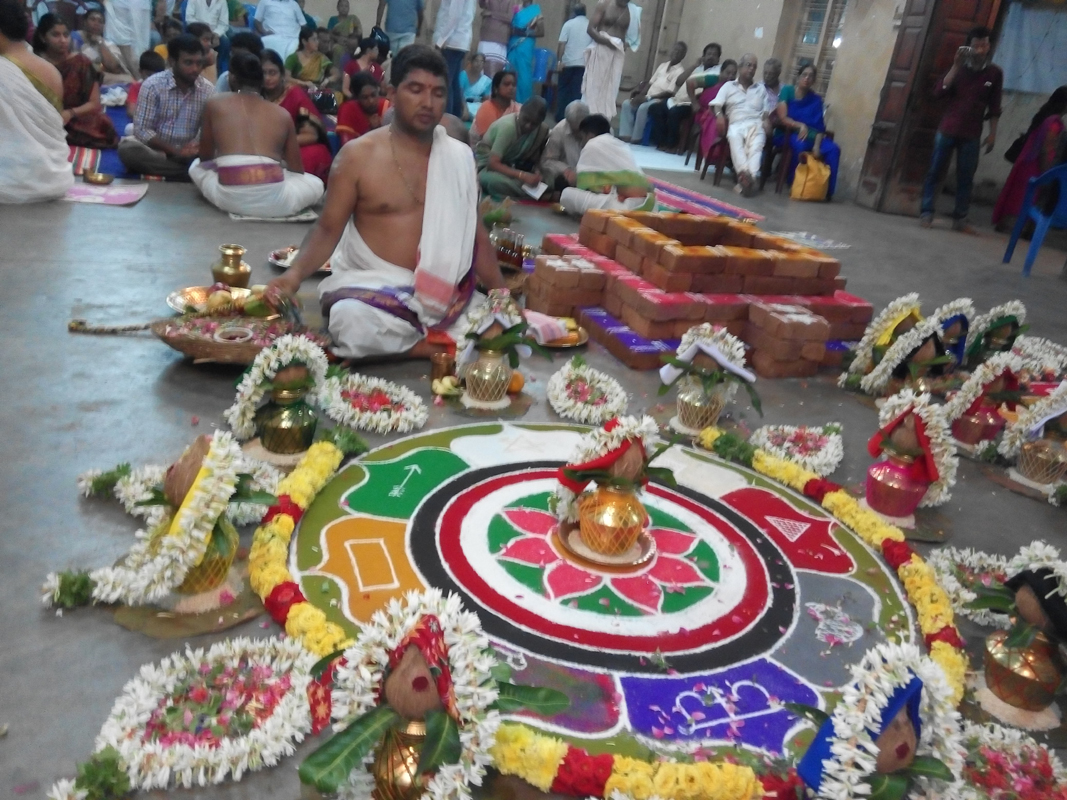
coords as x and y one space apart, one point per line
282 290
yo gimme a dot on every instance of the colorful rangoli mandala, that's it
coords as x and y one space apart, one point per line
753 597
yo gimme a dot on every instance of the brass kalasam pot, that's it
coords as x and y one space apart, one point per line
230 269
610 520
891 489
1023 677
488 377
981 426
396 764
697 410
286 424
1042 461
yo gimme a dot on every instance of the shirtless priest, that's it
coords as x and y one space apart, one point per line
249 154
400 228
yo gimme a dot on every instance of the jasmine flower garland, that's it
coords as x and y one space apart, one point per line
1029 421
975 385
372 404
980 324
586 395
948 562
819 449
890 315
937 431
1041 357
875 381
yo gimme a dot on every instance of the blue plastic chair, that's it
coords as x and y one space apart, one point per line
1057 219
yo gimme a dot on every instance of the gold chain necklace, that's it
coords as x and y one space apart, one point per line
403 177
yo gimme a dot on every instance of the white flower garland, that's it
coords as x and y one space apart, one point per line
569 375
875 381
146 576
1022 429
285 351
944 560
357 682
1041 355
413 415
152 765
972 389
1013 308
961 306
596 443
1041 555
732 347
882 671
864 354
137 486
822 463
499 306
937 431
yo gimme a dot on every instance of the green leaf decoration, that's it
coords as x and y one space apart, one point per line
888 787
103 776
442 745
994 598
1021 636
754 398
155 498
244 493
929 767
811 713
662 475
328 767
75 590
539 699
501 671
319 667
104 483
344 439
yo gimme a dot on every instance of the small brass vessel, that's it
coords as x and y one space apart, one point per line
230 269
891 489
395 767
1023 677
697 409
286 424
610 520
488 377
97 178
1042 461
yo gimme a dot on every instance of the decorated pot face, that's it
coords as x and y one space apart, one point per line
705 362
923 356
904 438
953 333
630 465
904 326
995 386
1029 607
293 375
182 473
410 688
492 331
1056 428
896 744
1000 338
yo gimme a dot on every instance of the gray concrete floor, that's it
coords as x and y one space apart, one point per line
75 402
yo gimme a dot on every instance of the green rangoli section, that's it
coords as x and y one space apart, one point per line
395 488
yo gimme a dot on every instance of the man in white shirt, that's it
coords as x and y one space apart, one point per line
279 23
669 116
216 15
662 85
452 35
772 85
741 107
574 38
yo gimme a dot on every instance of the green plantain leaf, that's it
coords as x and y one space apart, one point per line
1022 635
888 787
540 700
320 666
328 767
442 745
756 404
816 715
929 767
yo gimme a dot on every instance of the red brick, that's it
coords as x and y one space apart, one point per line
778 349
758 284
621 229
791 323
646 327
813 286
738 234
649 243
597 219
724 307
839 283
613 304
828 267
556 244
554 271
831 309
597 242
628 258
669 281
768 367
795 265
592 279
718 284
848 331
735 327
813 351
862 311
746 261
703 260
647 356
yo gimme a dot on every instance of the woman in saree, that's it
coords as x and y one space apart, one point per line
527 26
346 23
501 102
712 140
33 158
1037 156
800 112
310 132
83 115
365 60
308 66
476 85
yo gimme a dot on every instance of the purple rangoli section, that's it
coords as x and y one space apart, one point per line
742 705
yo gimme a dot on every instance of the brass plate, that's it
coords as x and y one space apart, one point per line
283 257
641 554
187 299
559 344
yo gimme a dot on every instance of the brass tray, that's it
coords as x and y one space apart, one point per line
190 297
571 542
559 344
283 257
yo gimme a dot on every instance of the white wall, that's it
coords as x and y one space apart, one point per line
740 26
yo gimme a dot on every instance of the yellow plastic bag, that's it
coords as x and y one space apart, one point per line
812 179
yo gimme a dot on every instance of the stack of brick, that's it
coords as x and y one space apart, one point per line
623 342
650 311
561 284
788 341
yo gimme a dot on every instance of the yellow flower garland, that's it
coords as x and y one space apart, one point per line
535 758
932 604
269 555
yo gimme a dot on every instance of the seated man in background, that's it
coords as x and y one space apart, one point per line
400 228
249 154
607 175
169 28
150 63
508 154
560 159
659 88
243 42
166 130
740 108
364 112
